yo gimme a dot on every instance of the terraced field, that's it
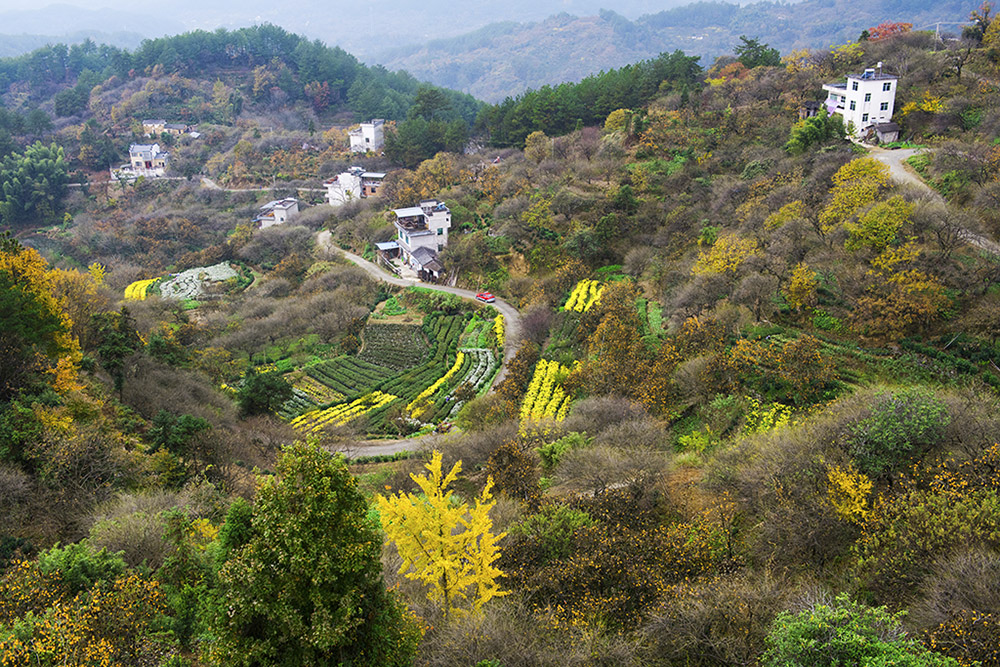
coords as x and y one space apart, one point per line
416 367
395 346
348 375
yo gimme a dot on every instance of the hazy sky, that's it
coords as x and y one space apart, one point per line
361 28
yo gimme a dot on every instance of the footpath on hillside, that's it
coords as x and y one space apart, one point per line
901 172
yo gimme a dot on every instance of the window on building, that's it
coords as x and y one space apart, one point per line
887 86
854 85
852 105
884 106
868 97
440 231
864 117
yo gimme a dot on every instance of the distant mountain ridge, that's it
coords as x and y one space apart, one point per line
498 61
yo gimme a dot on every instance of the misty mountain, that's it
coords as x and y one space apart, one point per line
508 58
363 29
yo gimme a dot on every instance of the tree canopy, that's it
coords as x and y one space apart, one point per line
306 588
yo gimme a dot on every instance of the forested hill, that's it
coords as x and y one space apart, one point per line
505 59
561 109
265 64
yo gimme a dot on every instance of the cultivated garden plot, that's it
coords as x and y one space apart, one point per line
139 290
191 283
348 376
317 392
342 413
583 297
395 346
483 365
424 390
185 285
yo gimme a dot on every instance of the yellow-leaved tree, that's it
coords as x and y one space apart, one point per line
726 255
446 544
801 289
856 185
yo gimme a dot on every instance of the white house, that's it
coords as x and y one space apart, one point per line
421 232
277 212
368 137
355 183
144 160
153 126
864 100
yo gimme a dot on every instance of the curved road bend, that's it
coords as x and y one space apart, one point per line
512 318
903 173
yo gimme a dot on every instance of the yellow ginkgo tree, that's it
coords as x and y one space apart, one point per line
445 544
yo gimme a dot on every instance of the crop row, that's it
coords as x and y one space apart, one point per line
498 326
395 346
480 373
138 290
348 375
317 392
544 398
342 413
584 295
412 407
444 402
443 332
296 404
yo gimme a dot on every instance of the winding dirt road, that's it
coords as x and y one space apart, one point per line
903 173
512 318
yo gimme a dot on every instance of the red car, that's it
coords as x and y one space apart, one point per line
486 297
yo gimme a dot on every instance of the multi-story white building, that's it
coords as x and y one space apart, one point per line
355 183
368 137
864 100
422 231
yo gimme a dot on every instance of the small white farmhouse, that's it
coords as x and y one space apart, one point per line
277 212
864 100
369 137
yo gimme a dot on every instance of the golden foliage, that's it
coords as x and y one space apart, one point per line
726 256
97 628
856 185
445 544
848 493
615 120
877 227
97 271
57 351
898 298
801 289
786 213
